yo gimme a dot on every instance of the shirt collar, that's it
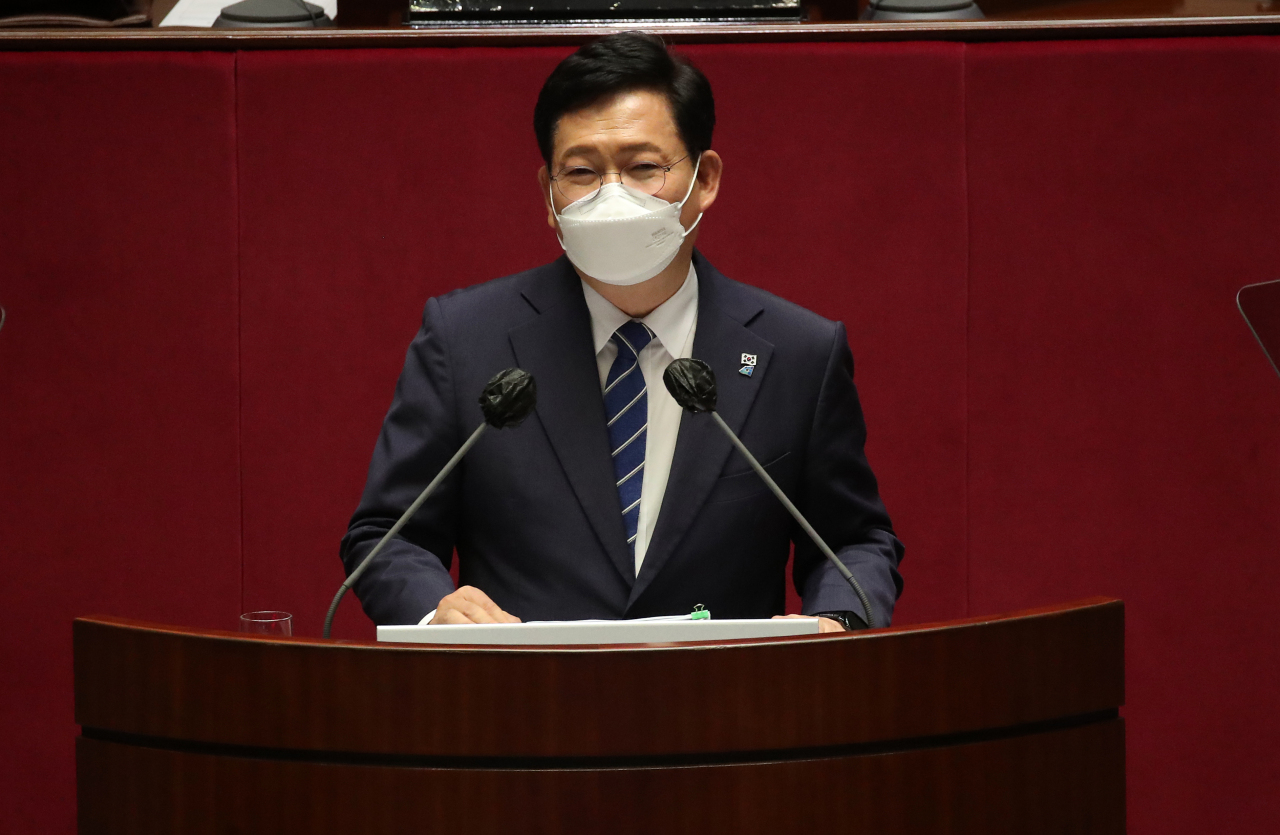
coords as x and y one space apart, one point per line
670 321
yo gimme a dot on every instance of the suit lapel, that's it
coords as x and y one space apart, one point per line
557 348
702 449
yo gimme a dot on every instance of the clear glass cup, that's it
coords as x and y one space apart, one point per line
277 624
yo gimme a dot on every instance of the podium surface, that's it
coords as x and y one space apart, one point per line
681 629
1002 724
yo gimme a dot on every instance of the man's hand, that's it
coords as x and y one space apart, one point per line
470 605
824 624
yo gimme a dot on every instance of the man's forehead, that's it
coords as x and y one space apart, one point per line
630 119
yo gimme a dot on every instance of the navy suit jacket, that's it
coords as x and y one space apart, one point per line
533 511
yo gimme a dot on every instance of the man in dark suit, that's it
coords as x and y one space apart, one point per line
608 502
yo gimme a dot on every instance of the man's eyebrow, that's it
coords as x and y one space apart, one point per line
631 146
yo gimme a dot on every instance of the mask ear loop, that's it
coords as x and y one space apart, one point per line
694 182
551 196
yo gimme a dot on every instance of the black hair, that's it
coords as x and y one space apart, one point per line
622 63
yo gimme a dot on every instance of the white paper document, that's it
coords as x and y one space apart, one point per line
577 632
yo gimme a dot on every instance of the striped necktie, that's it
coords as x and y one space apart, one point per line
626 407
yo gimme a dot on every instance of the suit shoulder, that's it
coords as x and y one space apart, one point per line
491 308
778 318
490 299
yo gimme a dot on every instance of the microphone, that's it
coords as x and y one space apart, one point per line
507 400
693 385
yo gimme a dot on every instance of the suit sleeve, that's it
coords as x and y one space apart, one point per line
840 498
419 435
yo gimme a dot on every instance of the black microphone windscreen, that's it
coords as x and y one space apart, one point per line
692 383
508 398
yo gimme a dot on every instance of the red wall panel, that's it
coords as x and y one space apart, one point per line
1035 248
372 180
1123 434
118 406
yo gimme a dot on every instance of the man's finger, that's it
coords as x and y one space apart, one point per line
449 615
474 612
473 594
483 600
499 615
456 609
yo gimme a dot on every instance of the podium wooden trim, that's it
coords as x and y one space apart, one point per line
1000 724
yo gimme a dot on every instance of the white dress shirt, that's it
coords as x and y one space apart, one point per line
673 324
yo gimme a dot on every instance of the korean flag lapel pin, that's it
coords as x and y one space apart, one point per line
748 365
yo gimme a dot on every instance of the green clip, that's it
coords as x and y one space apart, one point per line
699 613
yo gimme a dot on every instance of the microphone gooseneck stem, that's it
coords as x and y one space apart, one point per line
799 517
400 523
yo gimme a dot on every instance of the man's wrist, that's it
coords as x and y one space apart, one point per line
850 621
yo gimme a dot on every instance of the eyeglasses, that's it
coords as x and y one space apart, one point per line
583 183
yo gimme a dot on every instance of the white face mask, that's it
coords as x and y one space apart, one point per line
621 235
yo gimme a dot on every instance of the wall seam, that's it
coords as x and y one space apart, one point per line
235 130
968 325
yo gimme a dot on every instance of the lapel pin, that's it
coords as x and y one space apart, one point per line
746 370
749 359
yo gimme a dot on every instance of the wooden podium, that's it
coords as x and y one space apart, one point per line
985 725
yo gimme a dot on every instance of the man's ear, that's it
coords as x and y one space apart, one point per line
544 180
710 168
